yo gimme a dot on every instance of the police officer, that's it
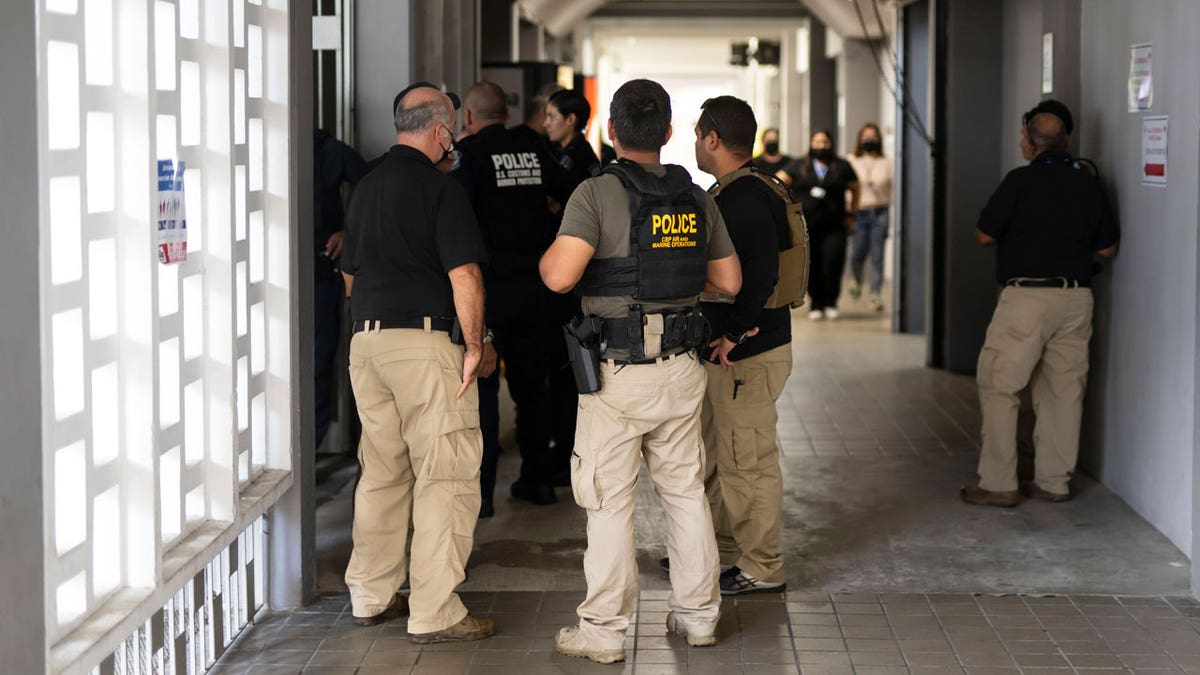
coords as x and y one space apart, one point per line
639 243
411 265
567 115
508 177
566 118
749 361
1046 220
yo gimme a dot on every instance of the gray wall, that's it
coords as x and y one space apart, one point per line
400 41
1141 410
858 84
916 170
22 604
382 67
822 89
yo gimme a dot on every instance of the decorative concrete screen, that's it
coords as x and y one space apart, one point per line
166 391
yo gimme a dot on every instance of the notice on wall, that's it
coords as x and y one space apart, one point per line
172 221
1154 150
1048 63
1141 77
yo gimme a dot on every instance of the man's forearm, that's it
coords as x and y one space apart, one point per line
467 283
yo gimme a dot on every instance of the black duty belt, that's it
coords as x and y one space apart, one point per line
625 332
642 362
435 323
1047 282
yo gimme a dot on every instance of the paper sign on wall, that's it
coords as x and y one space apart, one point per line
1141 77
1154 150
1047 63
172 221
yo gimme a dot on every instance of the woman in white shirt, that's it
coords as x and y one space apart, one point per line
871 226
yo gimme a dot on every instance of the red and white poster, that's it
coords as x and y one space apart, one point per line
1154 150
172 221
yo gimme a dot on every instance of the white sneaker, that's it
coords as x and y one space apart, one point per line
571 642
831 314
694 638
876 303
816 315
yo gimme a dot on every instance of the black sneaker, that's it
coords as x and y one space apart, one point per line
736 582
664 564
541 495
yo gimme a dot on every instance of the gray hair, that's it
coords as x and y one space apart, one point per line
422 116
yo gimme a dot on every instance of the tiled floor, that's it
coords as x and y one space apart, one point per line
808 633
888 571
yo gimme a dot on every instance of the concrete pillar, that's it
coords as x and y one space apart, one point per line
291 523
23 638
822 87
971 63
496 43
858 87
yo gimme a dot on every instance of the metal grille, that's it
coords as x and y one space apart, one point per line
166 386
195 627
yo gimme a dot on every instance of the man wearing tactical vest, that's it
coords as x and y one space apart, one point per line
639 243
508 178
750 358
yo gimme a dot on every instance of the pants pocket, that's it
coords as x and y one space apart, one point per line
745 448
583 481
457 448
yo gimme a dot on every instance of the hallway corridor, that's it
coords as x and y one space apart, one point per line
888 571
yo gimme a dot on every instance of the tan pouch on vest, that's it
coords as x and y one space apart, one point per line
793 256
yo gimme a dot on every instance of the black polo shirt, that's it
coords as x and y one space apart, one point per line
756 219
407 227
1048 218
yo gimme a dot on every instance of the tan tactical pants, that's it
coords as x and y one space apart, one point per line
420 453
1038 336
643 411
742 475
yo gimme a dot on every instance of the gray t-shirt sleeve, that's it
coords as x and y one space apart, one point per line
582 216
719 243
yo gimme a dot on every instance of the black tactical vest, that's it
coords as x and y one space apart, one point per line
510 201
668 239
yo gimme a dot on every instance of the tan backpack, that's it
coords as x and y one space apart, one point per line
793 255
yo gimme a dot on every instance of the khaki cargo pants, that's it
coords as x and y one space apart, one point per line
1038 336
742 474
649 411
420 453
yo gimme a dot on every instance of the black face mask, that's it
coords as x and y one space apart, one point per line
771 148
872 147
821 154
447 152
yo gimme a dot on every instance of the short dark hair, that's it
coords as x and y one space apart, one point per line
732 119
570 102
641 114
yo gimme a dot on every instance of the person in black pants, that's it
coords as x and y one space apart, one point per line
334 164
508 178
821 180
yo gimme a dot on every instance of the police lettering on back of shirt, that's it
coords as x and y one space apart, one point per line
517 168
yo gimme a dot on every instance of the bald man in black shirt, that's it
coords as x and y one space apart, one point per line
1047 221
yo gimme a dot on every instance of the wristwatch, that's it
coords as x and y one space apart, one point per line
489 337
738 338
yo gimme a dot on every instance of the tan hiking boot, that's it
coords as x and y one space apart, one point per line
1034 491
675 627
395 610
470 628
571 642
973 494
